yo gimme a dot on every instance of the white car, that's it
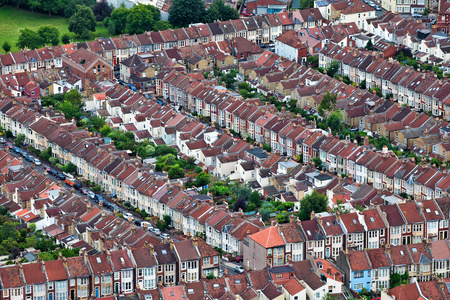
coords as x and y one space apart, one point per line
165 235
37 162
156 231
128 216
239 269
91 194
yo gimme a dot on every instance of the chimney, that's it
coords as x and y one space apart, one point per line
320 220
338 217
89 206
387 249
152 249
292 218
329 270
313 215
195 242
133 229
117 222
420 206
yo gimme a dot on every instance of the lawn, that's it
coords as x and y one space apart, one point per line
12 20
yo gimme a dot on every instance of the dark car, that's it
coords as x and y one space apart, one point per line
52 172
61 176
77 185
239 258
29 158
137 223
107 204
98 198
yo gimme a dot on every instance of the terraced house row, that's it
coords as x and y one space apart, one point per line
140 270
421 91
258 29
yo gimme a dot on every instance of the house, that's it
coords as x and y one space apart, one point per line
123 272
289 45
88 66
358 12
267 244
356 265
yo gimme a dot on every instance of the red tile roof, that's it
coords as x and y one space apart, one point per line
268 238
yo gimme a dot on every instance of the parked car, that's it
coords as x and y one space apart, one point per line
91 194
128 216
29 157
239 269
239 258
60 176
53 172
84 191
77 185
10 145
98 198
165 235
17 149
47 168
2 140
156 231
37 162
107 204
137 223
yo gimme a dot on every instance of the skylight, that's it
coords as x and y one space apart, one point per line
308 232
163 251
99 260
428 210
190 291
354 222
237 281
414 250
215 285
401 252
372 219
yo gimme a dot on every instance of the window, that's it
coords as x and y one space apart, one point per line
358 286
50 285
358 274
183 266
72 282
106 290
216 259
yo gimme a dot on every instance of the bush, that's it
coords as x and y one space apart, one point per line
267 148
53 160
96 188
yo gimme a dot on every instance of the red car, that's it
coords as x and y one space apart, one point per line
245 13
239 258
10 145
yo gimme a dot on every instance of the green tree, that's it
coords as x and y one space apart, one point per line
32 227
70 6
395 280
328 102
317 162
83 21
255 198
8 133
304 4
362 84
314 202
184 12
202 179
161 25
119 20
139 19
46 154
175 172
241 191
49 35
73 96
168 220
369 45
51 6
219 11
334 122
436 161
97 122
20 139
69 110
28 39
333 68
6 46
69 168
65 38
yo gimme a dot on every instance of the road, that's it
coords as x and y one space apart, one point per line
229 266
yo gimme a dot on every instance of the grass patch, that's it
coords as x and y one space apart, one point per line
12 20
